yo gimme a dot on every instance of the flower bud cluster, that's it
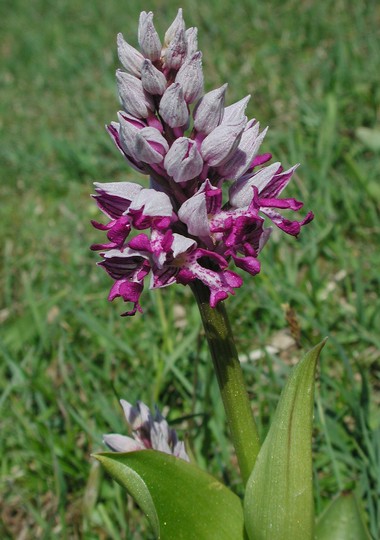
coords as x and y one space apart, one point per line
190 144
149 432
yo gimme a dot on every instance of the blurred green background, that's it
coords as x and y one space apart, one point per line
67 356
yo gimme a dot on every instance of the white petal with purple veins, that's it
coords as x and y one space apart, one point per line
153 80
148 38
235 111
125 190
173 108
241 192
190 76
129 57
193 212
247 149
181 244
192 41
222 141
133 97
208 112
154 203
121 443
183 161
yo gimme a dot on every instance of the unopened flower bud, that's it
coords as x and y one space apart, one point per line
240 160
221 142
177 24
183 161
173 108
176 51
153 80
234 112
192 41
129 57
209 110
148 38
133 97
145 145
190 76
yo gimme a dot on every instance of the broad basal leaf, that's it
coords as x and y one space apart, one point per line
181 501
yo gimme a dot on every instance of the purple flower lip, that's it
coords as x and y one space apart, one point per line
189 227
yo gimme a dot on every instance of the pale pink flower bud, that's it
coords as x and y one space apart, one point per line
240 160
175 54
183 161
192 41
177 25
148 38
176 50
235 111
145 145
209 110
129 57
133 97
190 76
221 142
153 80
173 108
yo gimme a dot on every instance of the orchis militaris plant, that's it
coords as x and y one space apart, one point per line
209 206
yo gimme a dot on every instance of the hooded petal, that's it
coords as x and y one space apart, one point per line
148 38
190 77
218 146
241 192
133 97
152 79
208 112
173 108
129 57
242 157
183 161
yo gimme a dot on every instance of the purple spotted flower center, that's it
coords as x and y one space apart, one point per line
192 147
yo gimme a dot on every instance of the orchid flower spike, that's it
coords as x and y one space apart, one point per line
191 146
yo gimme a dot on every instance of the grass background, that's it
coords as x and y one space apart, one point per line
67 356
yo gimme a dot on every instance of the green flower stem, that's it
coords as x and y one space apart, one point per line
243 429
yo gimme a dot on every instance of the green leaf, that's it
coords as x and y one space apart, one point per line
278 503
342 520
180 500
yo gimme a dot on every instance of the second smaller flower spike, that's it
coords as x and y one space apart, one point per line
149 432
